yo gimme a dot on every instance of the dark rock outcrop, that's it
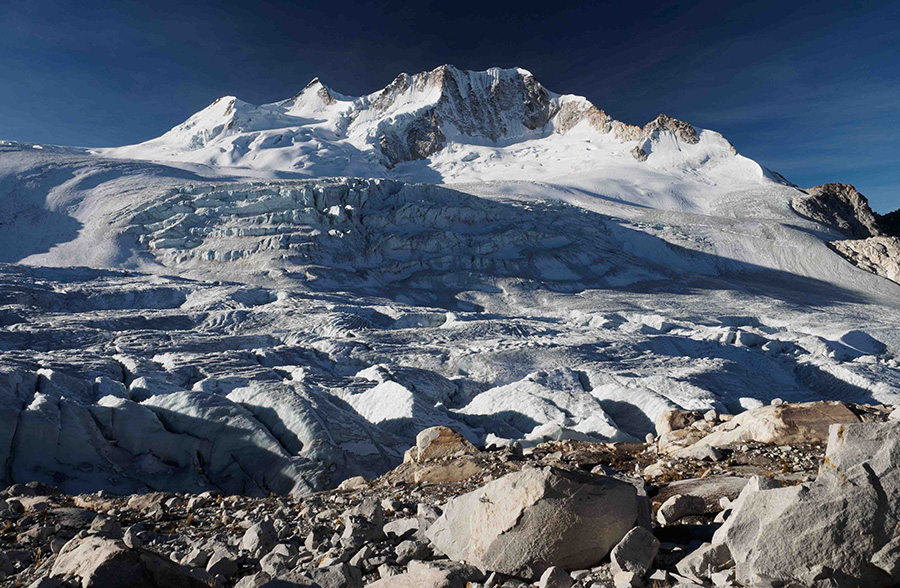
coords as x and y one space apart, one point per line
839 207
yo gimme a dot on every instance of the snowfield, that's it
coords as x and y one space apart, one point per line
276 298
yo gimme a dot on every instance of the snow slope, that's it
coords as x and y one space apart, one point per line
212 309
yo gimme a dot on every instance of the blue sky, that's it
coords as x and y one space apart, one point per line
811 90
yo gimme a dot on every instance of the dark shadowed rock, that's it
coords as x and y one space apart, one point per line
840 207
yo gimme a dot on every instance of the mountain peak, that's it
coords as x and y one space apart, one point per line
679 128
416 117
317 88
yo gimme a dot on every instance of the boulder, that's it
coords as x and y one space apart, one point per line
437 442
674 420
337 576
679 506
635 552
222 562
712 489
702 563
260 538
421 578
100 562
354 483
555 577
280 560
843 527
527 521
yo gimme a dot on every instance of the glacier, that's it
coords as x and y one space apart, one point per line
276 298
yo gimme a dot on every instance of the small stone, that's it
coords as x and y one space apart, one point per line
427 514
106 526
635 552
359 531
555 577
365 552
387 571
659 576
701 453
337 576
318 539
704 561
409 550
354 483
402 528
679 506
56 544
221 562
280 560
196 558
132 537
627 580
253 580
259 538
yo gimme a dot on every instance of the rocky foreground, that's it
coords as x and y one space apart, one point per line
783 495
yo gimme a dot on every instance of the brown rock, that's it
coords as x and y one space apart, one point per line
437 442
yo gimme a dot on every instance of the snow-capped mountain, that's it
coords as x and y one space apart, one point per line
273 298
463 125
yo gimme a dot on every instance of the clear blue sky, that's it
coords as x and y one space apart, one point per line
811 90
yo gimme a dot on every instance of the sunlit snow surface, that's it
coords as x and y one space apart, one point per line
185 326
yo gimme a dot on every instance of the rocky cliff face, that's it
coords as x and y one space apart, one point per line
840 207
870 242
879 255
492 105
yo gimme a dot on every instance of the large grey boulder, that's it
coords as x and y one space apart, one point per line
527 521
845 525
101 562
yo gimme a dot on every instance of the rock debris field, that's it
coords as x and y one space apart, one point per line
783 495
